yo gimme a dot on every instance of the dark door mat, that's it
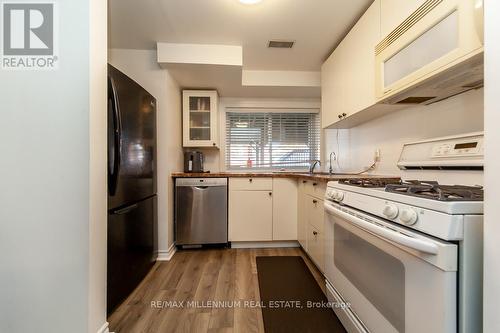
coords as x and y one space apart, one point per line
286 286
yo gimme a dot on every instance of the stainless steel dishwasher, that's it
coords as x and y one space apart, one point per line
200 211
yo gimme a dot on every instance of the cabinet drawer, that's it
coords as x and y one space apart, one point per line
303 183
313 187
250 184
317 189
315 245
315 212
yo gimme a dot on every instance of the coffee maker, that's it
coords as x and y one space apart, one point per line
193 161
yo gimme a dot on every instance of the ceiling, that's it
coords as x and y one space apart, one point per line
227 81
316 26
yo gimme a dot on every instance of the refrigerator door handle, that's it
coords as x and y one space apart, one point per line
117 132
125 210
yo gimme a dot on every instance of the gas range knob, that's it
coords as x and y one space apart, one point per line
330 194
339 196
408 216
390 211
334 194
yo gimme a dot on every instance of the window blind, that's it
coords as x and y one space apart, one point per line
271 140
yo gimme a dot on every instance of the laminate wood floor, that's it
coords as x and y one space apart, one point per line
200 277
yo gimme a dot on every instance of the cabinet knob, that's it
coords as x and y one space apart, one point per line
270 193
315 233
304 181
344 114
213 144
315 201
250 180
314 184
340 116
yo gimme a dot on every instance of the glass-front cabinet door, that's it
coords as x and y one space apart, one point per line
200 118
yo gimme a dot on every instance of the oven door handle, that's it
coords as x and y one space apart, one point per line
385 233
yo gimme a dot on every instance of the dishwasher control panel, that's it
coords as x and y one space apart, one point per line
201 182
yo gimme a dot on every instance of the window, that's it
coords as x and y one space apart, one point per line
270 140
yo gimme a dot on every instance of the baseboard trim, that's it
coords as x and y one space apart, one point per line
264 245
166 255
104 328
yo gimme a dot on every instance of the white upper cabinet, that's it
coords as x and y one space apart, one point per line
348 75
200 118
393 12
332 87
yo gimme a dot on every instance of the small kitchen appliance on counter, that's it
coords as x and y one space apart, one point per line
193 161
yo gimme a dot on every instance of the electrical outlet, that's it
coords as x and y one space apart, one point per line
376 157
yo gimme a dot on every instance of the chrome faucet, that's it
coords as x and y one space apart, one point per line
334 158
313 165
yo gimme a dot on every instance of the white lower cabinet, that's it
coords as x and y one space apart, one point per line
315 189
311 219
302 216
250 215
315 245
278 209
262 209
315 212
284 209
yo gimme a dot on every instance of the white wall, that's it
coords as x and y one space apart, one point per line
492 167
51 183
456 115
142 66
98 195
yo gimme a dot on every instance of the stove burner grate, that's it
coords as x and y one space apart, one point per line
433 190
369 182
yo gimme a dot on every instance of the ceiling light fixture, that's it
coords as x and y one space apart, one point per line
250 2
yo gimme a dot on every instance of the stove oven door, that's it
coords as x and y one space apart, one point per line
394 279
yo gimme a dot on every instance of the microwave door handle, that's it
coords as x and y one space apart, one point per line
394 236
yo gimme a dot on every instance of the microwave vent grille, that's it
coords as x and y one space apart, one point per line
415 100
406 25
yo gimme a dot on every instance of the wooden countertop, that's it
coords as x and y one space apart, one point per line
298 175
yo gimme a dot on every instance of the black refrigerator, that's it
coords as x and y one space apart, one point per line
132 201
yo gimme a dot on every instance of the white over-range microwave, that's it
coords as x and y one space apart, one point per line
435 53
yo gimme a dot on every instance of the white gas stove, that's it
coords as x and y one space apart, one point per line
407 256
403 204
